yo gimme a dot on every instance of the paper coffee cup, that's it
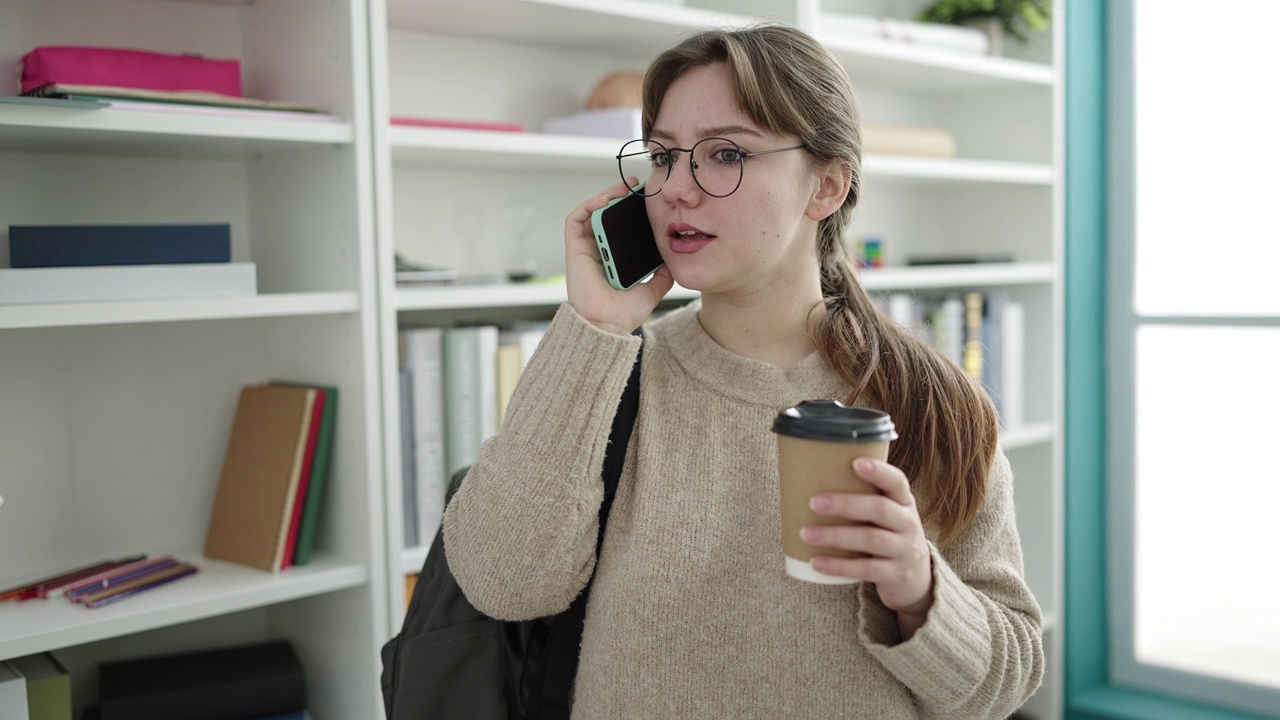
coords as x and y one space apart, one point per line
818 441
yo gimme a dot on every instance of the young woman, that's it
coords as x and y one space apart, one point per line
755 168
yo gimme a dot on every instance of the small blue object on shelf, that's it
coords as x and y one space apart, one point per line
39 246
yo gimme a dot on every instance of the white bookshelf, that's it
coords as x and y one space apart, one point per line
116 414
218 588
158 128
528 60
37 315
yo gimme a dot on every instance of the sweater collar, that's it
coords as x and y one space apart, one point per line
744 379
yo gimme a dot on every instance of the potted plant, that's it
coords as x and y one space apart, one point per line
994 17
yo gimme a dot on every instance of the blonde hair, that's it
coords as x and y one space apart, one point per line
788 83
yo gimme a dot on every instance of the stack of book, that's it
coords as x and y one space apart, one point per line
89 263
982 332
35 687
258 681
276 466
455 384
104 582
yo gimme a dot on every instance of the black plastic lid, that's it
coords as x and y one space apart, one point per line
833 421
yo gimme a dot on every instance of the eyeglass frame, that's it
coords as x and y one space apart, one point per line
693 166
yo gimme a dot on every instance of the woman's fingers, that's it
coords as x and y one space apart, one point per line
876 509
886 478
857 538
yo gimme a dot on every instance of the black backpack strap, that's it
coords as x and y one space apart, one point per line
553 689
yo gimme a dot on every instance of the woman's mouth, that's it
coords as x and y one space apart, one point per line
682 238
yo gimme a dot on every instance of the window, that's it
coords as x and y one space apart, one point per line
1194 405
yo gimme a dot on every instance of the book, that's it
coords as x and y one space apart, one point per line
525 335
422 352
622 123
952 38
48 686
947 323
456 124
32 246
993 348
304 478
509 369
13 693
412 273
74 91
233 682
972 355
888 139
259 480
320 469
1012 380
958 259
470 392
127 282
410 583
408 468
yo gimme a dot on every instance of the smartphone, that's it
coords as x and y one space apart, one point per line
625 241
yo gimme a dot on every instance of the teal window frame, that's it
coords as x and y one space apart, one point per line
1095 33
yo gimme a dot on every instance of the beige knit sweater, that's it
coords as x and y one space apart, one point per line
691 614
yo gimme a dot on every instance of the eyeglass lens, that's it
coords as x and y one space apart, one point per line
716 164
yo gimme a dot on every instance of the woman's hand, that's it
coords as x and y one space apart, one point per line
617 311
899 562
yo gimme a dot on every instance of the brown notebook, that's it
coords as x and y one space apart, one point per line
260 474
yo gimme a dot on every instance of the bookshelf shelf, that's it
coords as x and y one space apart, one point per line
921 69
599 25
956 170
524 151
978 275
518 295
120 410
495 296
1026 436
646 27
218 588
164 129
499 150
115 313
414 557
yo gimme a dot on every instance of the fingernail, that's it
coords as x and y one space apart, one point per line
810 534
820 503
863 466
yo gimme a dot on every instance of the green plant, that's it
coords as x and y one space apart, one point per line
1016 16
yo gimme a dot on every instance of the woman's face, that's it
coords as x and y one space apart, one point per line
754 240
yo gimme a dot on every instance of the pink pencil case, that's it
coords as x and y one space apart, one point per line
116 67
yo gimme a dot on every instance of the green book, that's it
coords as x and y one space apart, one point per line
319 471
470 357
48 686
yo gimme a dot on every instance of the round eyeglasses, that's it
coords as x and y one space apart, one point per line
716 164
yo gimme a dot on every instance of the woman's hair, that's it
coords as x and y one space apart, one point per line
787 83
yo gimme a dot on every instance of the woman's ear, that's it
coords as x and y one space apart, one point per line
834 180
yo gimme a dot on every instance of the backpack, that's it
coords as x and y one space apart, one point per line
451 661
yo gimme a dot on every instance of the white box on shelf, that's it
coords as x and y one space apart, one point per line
621 123
127 282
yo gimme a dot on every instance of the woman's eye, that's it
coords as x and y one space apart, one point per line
728 156
661 159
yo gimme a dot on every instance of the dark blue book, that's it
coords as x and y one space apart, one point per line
37 246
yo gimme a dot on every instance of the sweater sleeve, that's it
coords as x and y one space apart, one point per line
520 533
979 653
